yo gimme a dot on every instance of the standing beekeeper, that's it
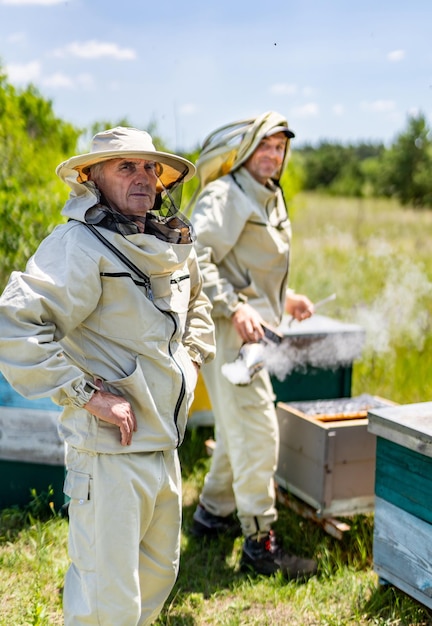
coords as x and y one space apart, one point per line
109 320
243 244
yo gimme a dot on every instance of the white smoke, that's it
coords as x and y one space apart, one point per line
401 314
328 350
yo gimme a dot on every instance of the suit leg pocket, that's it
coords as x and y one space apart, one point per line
82 523
77 486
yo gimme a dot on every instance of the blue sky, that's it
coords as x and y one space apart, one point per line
339 70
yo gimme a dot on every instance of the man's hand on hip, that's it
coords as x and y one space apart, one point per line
114 410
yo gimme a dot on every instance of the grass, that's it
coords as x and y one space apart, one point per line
376 257
33 562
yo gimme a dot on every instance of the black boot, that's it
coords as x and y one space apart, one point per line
262 555
205 524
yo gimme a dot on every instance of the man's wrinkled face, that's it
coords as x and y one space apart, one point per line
267 159
128 185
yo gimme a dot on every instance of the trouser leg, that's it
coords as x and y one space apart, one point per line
217 495
246 424
160 546
124 561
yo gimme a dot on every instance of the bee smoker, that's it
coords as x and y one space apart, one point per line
250 359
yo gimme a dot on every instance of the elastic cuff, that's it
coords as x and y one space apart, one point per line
84 392
196 356
236 302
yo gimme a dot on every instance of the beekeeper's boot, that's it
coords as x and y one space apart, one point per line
205 524
262 555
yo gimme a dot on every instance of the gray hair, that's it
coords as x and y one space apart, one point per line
96 170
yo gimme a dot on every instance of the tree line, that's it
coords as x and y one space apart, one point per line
33 141
402 171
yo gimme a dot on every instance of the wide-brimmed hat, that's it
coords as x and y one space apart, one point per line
122 143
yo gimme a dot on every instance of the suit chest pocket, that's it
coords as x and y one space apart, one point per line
171 292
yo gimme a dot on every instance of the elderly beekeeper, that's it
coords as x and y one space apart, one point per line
109 320
243 244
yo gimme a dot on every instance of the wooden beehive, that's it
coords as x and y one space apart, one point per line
327 455
402 545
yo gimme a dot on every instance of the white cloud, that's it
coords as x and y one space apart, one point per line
309 109
96 50
284 89
396 55
188 109
378 106
338 109
413 111
62 81
58 80
23 73
33 2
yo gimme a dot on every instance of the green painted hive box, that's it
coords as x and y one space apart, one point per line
402 544
315 358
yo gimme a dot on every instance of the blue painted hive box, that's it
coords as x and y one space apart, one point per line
402 545
31 452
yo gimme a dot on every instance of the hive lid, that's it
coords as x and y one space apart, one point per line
335 409
321 341
318 325
408 425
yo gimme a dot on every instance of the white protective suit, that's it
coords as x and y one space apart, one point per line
243 242
77 314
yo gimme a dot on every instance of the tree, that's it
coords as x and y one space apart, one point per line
338 169
33 141
407 165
